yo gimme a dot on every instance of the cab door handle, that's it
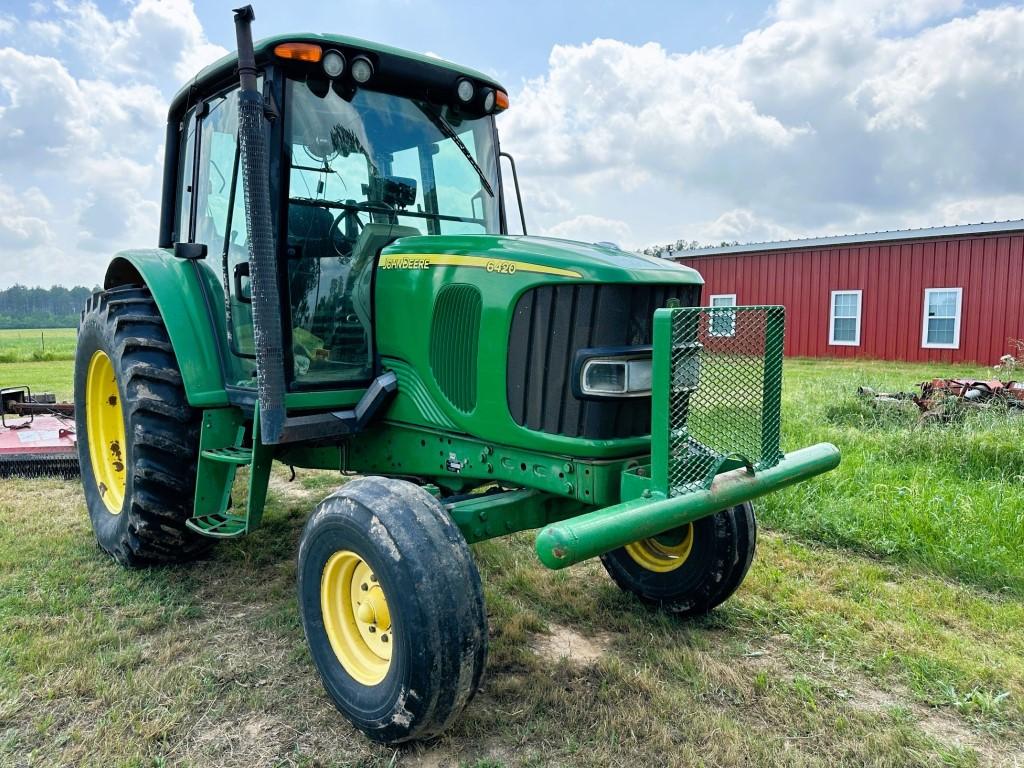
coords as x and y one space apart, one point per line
241 270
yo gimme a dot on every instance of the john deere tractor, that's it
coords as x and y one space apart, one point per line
336 288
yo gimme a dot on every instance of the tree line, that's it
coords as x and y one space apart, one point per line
55 307
680 246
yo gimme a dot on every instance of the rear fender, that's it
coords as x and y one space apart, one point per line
181 288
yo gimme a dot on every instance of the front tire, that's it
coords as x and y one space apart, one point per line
693 569
138 439
392 608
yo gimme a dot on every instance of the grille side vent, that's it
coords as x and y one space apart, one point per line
455 343
550 323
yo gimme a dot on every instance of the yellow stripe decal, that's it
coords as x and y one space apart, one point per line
499 266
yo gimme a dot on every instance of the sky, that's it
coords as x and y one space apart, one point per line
633 122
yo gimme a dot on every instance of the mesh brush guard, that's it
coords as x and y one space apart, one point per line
717 393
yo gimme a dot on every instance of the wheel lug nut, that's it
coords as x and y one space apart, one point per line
372 629
383 638
373 577
364 587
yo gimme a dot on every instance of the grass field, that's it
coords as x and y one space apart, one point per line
19 345
881 624
948 496
42 376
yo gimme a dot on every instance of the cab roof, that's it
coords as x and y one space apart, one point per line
223 70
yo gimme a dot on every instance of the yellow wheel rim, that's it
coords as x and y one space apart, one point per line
664 553
104 422
356 617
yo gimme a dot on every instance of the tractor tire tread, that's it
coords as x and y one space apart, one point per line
163 430
730 538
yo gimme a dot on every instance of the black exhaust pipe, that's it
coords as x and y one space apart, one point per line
266 300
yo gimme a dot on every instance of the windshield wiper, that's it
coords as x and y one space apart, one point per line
445 127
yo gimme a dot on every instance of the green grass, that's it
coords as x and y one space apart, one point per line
822 658
20 345
881 624
949 496
46 376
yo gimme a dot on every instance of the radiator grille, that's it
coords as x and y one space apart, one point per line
552 322
724 392
454 343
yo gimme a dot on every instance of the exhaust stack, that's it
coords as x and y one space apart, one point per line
266 302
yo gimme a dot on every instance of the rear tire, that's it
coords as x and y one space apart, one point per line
379 558
138 469
692 570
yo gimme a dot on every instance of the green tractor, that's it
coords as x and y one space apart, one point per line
336 288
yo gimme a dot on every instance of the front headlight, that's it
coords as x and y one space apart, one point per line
604 373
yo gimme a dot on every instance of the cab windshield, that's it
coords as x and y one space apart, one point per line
379 157
364 169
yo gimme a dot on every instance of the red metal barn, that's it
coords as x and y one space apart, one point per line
949 294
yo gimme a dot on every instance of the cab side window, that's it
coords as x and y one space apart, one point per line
185 168
217 148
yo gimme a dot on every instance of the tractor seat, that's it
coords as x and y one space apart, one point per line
309 228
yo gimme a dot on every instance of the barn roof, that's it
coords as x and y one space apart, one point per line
960 230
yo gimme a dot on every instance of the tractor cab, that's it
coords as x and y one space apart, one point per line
365 147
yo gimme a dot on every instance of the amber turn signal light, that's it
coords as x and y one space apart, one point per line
299 51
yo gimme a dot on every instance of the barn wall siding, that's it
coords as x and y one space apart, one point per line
892 278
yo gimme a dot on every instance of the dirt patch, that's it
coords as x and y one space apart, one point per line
291 491
862 695
939 725
565 644
452 757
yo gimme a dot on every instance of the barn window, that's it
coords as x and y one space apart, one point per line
941 318
844 319
723 323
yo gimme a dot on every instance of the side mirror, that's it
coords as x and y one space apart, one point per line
190 251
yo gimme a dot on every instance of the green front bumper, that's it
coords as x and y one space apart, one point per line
594 533
716 400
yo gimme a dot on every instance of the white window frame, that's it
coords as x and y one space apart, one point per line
956 318
711 303
832 318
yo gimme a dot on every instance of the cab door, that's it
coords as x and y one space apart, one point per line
219 222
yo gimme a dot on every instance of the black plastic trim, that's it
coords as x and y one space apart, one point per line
550 323
338 424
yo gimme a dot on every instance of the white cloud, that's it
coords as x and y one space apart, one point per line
741 225
83 106
156 32
591 228
23 219
48 32
830 115
51 116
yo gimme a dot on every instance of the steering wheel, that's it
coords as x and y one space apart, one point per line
344 241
